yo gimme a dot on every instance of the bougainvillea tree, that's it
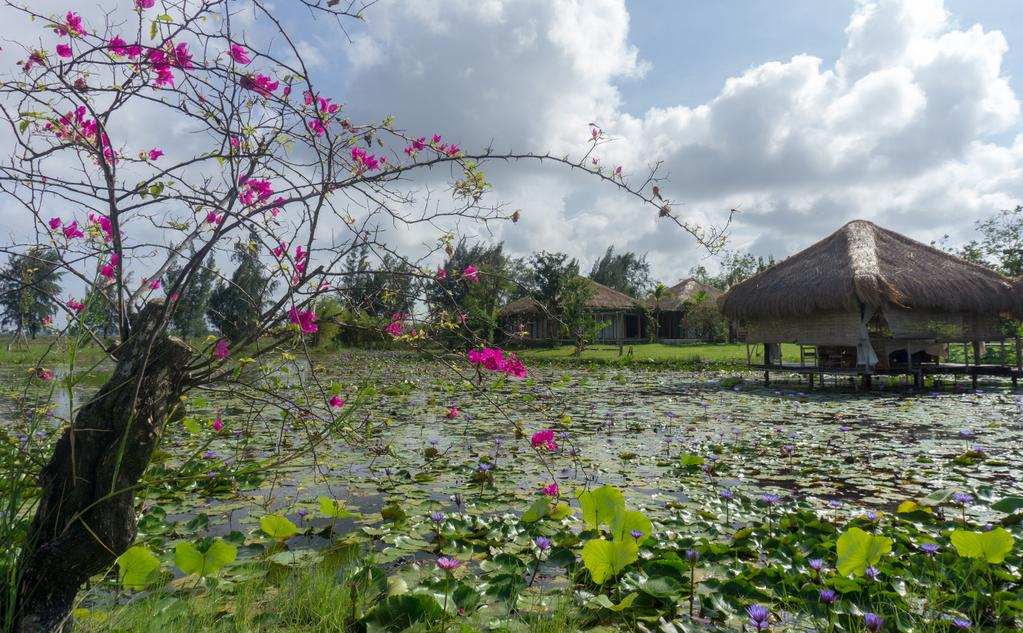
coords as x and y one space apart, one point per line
244 152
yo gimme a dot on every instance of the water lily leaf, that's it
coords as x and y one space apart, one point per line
560 511
137 567
536 511
335 509
1009 504
191 560
625 523
606 559
691 461
278 526
393 513
991 546
937 497
908 507
397 613
601 505
858 550
603 601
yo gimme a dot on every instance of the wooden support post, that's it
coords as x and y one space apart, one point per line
811 382
1019 356
918 379
867 381
767 378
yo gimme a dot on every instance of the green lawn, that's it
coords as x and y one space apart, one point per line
695 353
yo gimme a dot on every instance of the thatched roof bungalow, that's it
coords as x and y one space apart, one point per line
871 299
675 309
539 324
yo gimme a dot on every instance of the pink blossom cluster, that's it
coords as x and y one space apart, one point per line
163 60
419 144
259 83
109 270
75 306
221 351
103 222
552 489
470 273
493 359
77 128
305 320
255 190
396 327
70 231
239 54
301 260
72 27
119 47
364 161
544 440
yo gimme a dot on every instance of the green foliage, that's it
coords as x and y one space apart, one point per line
547 275
235 305
601 506
735 268
991 546
331 319
480 301
138 567
278 526
624 272
189 316
858 550
29 287
577 319
335 509
205 559
607 559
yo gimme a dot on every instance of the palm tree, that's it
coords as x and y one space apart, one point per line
659 292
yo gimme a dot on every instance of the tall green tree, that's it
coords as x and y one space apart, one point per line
29 286
479 300
235 305
189 317
1000 246
576 318
625 272
546 276
377 289
736 267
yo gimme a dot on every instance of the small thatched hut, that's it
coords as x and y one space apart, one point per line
679 317
868 300
538 324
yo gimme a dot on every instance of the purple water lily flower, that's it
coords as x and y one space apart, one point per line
872 572
873 622
693 555
816 564
437 517
828 596
962 497
758 616
543 543
929 548
962 624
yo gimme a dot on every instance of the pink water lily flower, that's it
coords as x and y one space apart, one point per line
220 352
306 320
43 374
337 402
218 425
453 413
447 564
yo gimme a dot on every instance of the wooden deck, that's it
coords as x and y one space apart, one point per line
917 372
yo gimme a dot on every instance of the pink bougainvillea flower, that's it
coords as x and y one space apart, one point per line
364 161
452 150
55 223
259 83
306 320
174 297
452 413
180 57
64 50
213 218
551 490
47 321
218 425
118 46
154 284
44 374
239 54
337 402
442 274
280 250
544 440
493 359
115 259
107 271
436 139
145 4
75 306
72 231
155 153
220 352
73 25
471 273
618 170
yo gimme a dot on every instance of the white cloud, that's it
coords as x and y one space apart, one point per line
898 130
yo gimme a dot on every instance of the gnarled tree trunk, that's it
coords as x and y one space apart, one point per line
86 514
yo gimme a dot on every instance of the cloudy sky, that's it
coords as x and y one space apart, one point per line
803 114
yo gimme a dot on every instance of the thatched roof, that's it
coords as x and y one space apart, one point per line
864 263
682 293
603 298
